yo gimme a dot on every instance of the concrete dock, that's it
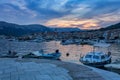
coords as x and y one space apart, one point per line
43 69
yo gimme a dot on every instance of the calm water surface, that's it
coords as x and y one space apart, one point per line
74 50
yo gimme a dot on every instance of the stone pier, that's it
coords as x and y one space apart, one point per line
43 69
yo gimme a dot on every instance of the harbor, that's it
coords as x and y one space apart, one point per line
59 40
69 53
75 51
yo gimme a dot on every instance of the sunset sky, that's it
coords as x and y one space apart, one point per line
84 14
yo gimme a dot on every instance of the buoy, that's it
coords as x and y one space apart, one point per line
67 54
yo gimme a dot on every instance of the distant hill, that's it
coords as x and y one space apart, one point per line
11 29
115 26
19 30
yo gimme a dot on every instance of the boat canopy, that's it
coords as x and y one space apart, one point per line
101 45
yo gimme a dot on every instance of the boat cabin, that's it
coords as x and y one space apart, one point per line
95 57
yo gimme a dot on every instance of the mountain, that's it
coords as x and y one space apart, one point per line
11 29
66 29
115 26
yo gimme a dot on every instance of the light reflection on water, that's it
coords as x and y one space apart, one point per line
75 51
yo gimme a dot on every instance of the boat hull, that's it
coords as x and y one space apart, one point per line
45 56
97 64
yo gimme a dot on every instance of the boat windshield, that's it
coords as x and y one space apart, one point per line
88 56
95 57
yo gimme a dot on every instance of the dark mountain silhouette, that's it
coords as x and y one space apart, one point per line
11 29
115 26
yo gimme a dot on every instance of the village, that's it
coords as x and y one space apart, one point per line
109 36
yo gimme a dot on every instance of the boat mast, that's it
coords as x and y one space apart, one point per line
93 49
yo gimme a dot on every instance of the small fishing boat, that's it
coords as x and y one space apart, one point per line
67 42
40 54
96 58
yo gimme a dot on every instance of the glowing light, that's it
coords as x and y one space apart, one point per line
83 24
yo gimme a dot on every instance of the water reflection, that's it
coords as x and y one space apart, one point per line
75 51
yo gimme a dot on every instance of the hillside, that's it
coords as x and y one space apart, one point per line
11 29
115 26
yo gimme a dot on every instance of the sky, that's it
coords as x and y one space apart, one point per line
83 14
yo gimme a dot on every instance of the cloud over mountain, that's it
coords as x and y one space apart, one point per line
85 14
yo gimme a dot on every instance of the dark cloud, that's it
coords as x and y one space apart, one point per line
43 11
102 7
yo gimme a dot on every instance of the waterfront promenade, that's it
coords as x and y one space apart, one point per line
43 69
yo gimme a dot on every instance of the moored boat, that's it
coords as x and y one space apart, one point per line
95 58
40 54
67 42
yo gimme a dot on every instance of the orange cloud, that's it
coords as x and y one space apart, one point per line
83 24
90 25
93 23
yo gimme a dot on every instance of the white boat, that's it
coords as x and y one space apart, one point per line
67 42
40 54
95 58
